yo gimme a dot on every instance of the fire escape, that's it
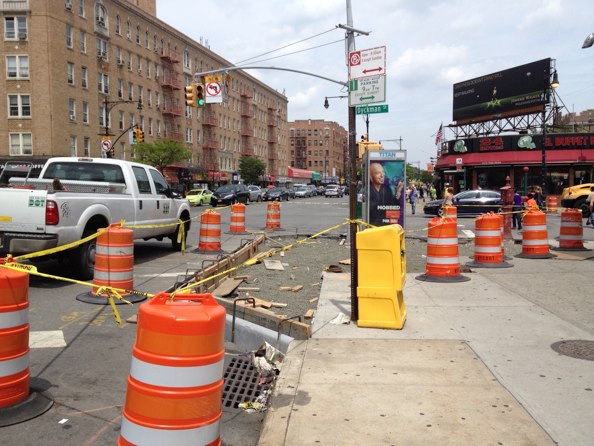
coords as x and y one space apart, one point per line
210 144
247 127
170 84
272 140
300 152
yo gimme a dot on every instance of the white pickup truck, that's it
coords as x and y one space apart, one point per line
36 215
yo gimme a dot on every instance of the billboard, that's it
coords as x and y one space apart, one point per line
384 182
507 93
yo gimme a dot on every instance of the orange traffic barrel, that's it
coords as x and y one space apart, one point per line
450 211
14 337
571 232
535 238
273 215
18 401
175 387
237 225
443 262
552 204
210 232
114 266
488 252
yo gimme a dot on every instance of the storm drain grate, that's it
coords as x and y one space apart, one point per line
579 349
241 383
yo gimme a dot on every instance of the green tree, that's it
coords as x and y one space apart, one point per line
161 153
251 168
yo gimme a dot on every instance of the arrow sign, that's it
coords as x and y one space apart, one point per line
370 62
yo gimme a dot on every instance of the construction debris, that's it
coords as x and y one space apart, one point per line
345 262
275 265
227 287
309 314
297 288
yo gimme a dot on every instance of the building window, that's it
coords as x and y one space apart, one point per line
70 73
128 30
187 60
149 97
68 36
103 83
72 109
15 28
100 15
21 144
129 61
147 40
148 69
83 77
139 65
118 25
101 48
19 105
140 93
86 146
121 120
85 112
158 128
138 35
81 8
72 145
17 67
83 42
120 88
130 91
150 126
155 47
102 117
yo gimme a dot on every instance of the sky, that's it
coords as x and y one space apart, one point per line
430 45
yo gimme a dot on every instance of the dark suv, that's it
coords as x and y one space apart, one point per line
229 194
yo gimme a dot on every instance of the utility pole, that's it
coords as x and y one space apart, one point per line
350 33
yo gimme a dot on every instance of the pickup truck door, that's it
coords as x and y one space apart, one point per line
146 203
166 206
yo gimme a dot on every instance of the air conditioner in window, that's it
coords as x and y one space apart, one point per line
158 134
100 21
101 55
72 116
70 80
68 5
158 108
139 71
22 35
121 62
84 84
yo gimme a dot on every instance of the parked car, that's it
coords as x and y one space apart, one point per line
333 190
255 193
277 194
320 190
229 194
575 197
291 192
344 189
470 202
313 190
301 191
198 197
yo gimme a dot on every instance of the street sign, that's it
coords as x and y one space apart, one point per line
214 92
370 62
105 145
367 90
371 109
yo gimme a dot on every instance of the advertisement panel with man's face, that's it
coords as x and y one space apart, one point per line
384 181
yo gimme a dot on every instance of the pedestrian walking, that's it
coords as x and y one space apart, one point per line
448 197
590 201
517 212
412 198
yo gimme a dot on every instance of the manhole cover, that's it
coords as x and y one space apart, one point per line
241 383
579 349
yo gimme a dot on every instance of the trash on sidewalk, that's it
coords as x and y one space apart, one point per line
341 318
333 269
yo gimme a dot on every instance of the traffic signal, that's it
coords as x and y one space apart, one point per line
110 153
200 100
364 137
191 95
134 136
139 136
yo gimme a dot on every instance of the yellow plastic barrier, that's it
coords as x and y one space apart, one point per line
382 274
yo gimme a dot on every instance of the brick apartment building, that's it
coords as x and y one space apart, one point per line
315 143
77 70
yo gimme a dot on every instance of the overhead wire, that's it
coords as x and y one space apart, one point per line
285 46
296 52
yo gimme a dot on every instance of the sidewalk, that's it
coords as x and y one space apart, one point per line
472 365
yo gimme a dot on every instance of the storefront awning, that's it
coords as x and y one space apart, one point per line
574 156
299 173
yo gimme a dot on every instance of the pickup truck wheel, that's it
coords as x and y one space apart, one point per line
83 259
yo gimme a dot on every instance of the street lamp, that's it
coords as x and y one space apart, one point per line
108 105
589 41
327 104
548 84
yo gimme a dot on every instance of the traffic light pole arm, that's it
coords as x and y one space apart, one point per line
109 105
224 70
123 133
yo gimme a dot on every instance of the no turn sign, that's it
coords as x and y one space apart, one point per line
106 145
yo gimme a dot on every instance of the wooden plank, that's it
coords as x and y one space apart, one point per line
286 288
228 286
275 265
247 288
297 288
309 314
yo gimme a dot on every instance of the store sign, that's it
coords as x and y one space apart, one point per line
490 144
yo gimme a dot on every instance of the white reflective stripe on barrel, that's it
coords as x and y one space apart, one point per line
487 233
572 224
487 248
167 376
535 227
115 250
14 318
441 241
16 365
535 242
113 275
210 226
210 240
146 436
443 260
570 237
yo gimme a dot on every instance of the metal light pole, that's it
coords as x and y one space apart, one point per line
525 169
548 84
109 105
